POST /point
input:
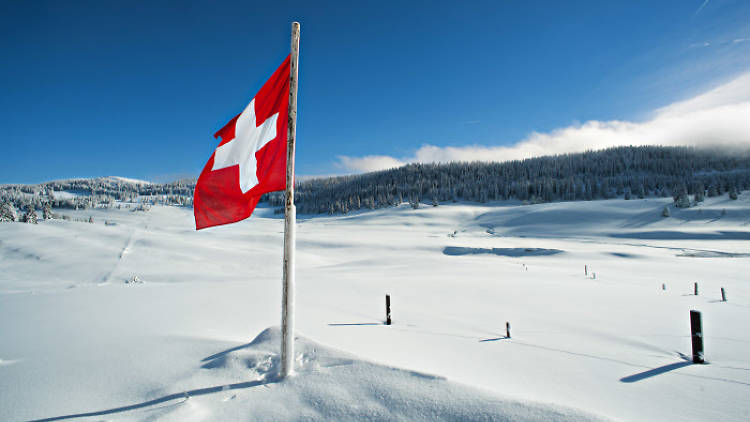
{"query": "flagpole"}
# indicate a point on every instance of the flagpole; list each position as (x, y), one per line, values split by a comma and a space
(290, 217)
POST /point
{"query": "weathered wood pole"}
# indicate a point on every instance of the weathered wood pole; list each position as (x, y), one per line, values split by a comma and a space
(696, 334)
(696, 289)
(507, 329)
(723, 295)
(290, 218)
(586, 270)
(387, 309)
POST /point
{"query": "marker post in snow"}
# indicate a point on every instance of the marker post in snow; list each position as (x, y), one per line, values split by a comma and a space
(290, 218)
(387, 309)
(696, 335)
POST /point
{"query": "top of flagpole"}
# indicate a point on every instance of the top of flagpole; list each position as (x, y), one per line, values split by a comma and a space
(292, 115)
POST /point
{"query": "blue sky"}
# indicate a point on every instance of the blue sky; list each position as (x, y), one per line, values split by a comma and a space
(137, 89)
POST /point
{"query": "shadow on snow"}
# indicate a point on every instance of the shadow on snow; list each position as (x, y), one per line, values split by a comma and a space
(512, 252)
(183, 395)
(655, 371)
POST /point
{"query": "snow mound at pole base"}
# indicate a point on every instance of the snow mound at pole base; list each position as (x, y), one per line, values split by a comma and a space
(333, 385)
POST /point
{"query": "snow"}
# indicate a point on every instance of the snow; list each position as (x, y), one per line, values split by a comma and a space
(65, 194)
(128, 180)
(191, 340)
(111, 179)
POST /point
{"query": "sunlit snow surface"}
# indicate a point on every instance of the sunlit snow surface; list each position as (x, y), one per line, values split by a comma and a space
(191, 339)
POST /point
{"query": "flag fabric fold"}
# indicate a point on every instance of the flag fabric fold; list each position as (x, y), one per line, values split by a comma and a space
(250, 160)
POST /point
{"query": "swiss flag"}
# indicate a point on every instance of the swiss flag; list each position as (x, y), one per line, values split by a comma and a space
(250, 159)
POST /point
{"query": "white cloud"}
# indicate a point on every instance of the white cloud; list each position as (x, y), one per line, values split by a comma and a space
(736, 91)
(368, 163)
(717, 118)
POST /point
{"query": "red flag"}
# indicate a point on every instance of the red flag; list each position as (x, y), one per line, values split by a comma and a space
(250, 159)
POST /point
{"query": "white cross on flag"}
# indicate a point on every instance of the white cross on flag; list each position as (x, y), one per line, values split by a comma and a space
(250, 160)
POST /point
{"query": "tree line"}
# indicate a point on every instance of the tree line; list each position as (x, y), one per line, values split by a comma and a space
(627, 172)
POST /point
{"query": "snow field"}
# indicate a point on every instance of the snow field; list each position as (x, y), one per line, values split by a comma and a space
(77, 339)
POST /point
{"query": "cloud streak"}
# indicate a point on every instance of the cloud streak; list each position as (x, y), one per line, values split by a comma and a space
(719, 117)
(701, 7)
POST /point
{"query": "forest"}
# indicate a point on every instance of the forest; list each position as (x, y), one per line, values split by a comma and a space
(626, 172)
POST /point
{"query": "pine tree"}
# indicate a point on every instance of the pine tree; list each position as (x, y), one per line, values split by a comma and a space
(30, 216)
(698, 189)
(47, 212)
(641, 192)
(8, 212)
(681, 199)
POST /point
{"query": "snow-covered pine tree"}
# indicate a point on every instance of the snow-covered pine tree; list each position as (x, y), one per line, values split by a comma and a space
(8, 212)
(641, 192)
(698, 191)
(680, 196)
(30, 216)
(47, 212)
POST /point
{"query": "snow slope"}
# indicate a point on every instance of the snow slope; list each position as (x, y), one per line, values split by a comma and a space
(111, 179)
(128, 180)
(78, 340)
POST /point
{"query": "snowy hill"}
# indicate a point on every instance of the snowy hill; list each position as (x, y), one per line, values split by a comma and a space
(127, 180)
(190, 340)
(621, 172)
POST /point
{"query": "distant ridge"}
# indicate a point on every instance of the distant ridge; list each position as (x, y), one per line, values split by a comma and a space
(629, 172)
(127, 180)
(626, 172)
(102, 179)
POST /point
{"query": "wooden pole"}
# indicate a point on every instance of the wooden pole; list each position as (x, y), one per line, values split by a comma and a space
(723, 295)
(507, 329)
(586, 270)
(696, 289)
(290, 217)
(387, 309)
(696, 334)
